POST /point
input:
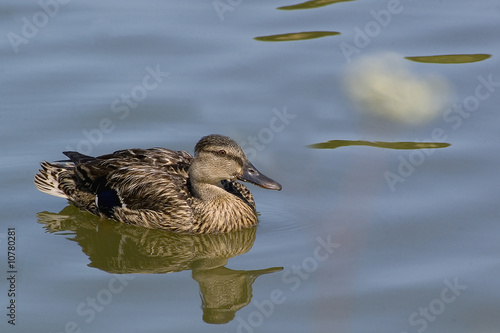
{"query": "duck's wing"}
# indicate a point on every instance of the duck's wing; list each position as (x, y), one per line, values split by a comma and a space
(151, 179)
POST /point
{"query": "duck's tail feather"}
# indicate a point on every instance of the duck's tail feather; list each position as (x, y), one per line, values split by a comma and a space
(52, 178)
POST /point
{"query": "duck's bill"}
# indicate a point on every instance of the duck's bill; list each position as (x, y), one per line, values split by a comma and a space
(252, 175)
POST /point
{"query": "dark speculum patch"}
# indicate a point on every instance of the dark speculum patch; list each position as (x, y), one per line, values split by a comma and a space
(107, 201)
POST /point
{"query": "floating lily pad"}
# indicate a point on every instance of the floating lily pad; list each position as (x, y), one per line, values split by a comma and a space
(451, 58)
(332, 144)
(312, 4)
(297, 36)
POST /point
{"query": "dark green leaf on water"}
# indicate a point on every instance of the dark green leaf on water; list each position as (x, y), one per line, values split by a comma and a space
(332, 144)
(297, 36)
(451, 58)
(312, 4)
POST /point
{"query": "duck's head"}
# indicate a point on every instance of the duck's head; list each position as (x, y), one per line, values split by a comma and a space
(218, 157)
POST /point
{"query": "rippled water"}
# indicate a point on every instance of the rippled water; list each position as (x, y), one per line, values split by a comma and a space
(391, 227)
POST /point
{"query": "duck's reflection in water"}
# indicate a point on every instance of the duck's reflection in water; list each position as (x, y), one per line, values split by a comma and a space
(120, 249)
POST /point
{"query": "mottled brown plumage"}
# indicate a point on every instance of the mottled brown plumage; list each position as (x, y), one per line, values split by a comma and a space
(162, 188)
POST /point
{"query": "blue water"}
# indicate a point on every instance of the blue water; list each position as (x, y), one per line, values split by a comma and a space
(341, 248)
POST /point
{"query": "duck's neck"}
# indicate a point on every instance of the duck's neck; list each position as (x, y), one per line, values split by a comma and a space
(220, 211)
(208, 192)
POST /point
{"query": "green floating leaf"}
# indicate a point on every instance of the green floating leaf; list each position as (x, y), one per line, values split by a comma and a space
(311, 4)
(297, 36)
(332, 144)
(451, 58)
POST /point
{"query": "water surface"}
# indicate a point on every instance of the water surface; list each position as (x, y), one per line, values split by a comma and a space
(360, 239)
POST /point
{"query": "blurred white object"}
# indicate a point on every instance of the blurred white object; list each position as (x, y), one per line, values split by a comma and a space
(384, 85)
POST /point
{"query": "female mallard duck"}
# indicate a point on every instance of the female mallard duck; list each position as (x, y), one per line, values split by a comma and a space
(162, 188)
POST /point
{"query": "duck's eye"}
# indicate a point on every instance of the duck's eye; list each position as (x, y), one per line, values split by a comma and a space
(222, 152)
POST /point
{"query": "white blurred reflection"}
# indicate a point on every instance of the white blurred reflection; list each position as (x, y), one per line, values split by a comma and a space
(384, 85)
